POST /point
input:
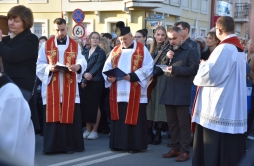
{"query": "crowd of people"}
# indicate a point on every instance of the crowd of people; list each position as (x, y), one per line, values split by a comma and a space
(190, 86)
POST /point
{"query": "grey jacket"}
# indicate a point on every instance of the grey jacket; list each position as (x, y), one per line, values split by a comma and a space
(176, 86)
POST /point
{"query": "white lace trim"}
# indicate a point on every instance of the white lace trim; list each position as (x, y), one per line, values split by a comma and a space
(127, 94)
(220, 121)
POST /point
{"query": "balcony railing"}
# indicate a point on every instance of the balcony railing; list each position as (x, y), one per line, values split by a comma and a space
(242, 10)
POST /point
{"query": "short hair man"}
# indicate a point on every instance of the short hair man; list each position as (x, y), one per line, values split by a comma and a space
(220, 110)
(128, 97)
(60, 66)
(183, 61)
(185, 28)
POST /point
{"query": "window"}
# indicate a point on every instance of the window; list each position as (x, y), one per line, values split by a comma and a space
(8, 1)
(193, 32)
(204, 4)
(37, 1)
(203, 32)
(194, 5)
(185, 4)
(40, 27)
(168, 25)
(175, 2)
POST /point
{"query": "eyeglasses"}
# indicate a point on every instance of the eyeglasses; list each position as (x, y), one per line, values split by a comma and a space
(138, 37)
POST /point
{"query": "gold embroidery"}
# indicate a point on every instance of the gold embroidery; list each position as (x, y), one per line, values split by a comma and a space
(137, 58)
(71, 55)
(53, 80)
(52, 53)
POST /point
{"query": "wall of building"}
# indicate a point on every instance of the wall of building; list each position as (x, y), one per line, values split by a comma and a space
(44, 14)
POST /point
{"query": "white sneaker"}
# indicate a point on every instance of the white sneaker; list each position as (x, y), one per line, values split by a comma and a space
(93, 135)
(250, 137)
(86, 134)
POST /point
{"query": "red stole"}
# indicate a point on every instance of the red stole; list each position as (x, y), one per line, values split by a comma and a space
(55, 110)
(135, 89)
(232, 40)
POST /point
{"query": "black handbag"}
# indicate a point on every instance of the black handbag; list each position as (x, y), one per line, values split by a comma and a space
(26, 93)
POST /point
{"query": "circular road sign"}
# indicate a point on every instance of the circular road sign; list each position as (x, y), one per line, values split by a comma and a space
(78, 15)
(78, 30)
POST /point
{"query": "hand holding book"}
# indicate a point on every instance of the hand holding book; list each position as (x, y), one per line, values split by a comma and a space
(116, 72)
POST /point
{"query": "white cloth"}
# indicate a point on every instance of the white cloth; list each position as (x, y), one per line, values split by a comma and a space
(17, 138)
(42, 69)
(124, 63)
(221, 103)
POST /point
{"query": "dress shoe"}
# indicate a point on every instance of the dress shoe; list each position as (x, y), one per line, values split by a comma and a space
(115, 149)
(171, 153)
(134, 151)
(69, 152)
(183, 157)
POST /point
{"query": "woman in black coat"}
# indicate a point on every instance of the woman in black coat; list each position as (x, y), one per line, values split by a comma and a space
(19, 53)
(92, 86)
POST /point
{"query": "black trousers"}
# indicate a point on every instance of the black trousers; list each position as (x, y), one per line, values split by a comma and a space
(212, 148)
(178, 119)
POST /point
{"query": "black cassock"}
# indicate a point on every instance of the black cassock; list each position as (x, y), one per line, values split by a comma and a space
(63, 138)
(124, 136)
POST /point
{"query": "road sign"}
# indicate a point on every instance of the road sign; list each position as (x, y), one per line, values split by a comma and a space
(78, 15)
(78, 30)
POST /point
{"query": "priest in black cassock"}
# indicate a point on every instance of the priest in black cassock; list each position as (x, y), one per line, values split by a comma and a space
(61, 102)
(128, 95)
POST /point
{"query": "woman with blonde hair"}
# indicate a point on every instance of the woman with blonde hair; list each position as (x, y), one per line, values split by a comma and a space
(156, 112)
(92, 86)
(105, 45)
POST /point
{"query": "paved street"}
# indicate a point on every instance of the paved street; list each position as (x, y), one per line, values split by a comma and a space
(97, 153)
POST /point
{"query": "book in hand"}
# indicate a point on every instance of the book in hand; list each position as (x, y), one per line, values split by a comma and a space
(61, 67)
(116, 72)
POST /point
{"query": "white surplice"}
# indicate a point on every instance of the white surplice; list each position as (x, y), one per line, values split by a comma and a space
(124, 63)
(42, 69)
(222, 101)
(17, 138)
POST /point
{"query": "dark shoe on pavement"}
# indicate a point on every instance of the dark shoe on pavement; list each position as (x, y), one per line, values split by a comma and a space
(172, 153)
(183, 157)
(134, 151)
(69, 152)
(115, 149)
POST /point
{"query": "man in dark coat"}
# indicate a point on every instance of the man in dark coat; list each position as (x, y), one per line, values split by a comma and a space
(183, 61)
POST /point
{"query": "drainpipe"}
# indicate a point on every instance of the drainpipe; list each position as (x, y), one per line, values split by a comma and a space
(212, 13)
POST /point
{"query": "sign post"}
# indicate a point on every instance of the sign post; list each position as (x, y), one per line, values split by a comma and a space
(78, 16)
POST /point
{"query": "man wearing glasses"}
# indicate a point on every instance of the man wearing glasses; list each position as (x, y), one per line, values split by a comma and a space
(220, 110)
(176, 93)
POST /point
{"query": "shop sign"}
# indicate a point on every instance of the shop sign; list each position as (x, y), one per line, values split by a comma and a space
(153, 24)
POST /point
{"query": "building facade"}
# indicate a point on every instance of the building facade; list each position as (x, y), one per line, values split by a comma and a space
(102, 15)
(239, 10)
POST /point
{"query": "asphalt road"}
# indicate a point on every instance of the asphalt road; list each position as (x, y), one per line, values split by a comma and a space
(97, 153)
